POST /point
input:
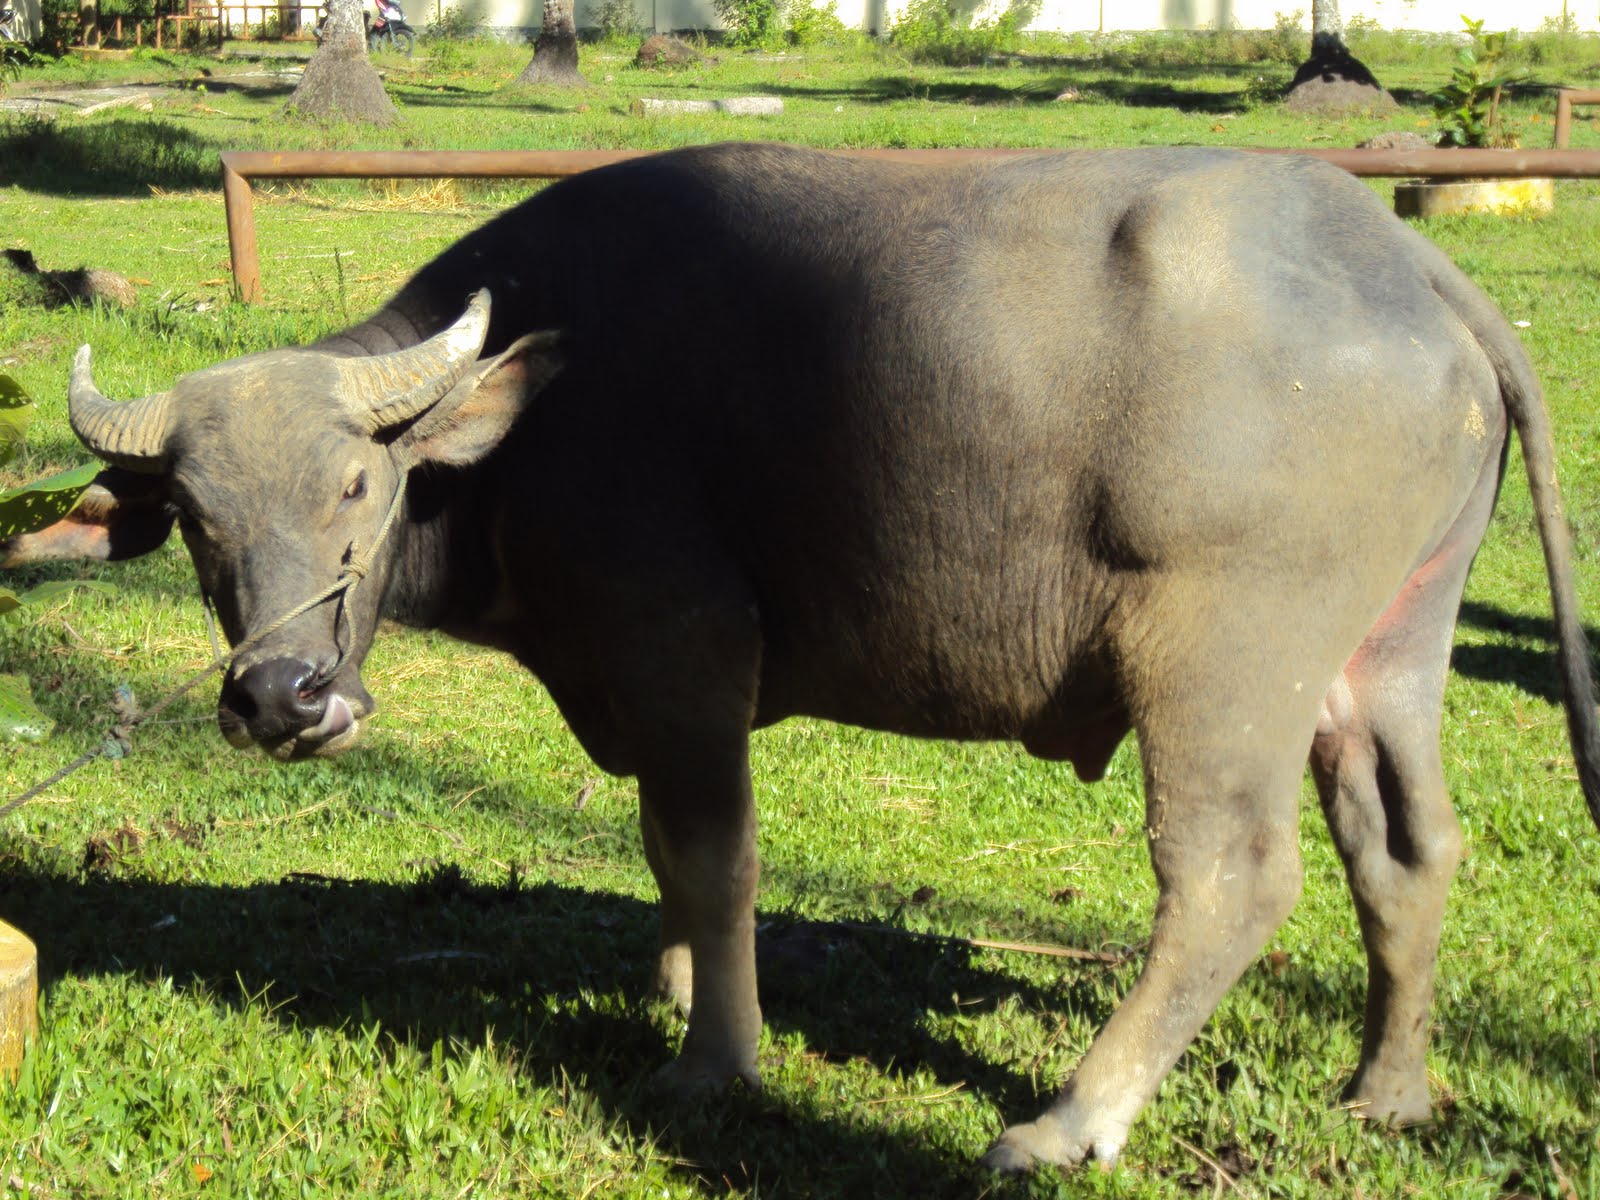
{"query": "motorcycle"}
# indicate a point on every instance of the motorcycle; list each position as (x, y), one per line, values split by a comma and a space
(390, 31)
(10, 27)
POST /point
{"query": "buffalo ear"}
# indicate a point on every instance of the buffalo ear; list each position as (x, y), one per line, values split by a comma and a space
(478, 412)
(122, 514)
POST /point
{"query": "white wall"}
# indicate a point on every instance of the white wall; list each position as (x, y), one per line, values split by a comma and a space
(1424, 15)
(1079, 15)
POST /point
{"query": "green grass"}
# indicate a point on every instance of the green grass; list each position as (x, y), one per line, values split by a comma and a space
(421, 970)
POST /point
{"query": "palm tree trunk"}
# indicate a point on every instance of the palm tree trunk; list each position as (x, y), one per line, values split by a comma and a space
(1333, 79)
(339, 83)
(555, 53)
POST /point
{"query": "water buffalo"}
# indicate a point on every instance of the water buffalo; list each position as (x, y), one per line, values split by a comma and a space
(1192, 443)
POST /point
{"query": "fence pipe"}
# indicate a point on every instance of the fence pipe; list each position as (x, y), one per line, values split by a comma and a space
(239, 210)
(1565, 99)
(241, 166)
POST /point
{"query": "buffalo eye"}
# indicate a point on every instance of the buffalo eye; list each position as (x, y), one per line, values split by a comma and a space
(355, 491)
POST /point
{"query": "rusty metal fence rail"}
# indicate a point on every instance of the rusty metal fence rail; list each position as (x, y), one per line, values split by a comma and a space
(1565, 99)
(240, 167)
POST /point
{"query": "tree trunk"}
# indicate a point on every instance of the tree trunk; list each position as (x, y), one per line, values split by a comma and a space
(339, 83)
(1333, 80)
(555, 53)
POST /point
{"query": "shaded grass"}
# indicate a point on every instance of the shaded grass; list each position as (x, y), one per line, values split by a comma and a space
(422, 969)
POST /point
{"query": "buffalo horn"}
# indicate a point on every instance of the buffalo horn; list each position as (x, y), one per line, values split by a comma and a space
(131, 435)
(392, 388)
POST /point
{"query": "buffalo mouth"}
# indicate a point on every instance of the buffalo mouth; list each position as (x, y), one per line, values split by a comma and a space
(284, 707)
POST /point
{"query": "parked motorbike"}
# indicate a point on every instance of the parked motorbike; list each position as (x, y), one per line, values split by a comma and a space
(390, 31)
(10, 27)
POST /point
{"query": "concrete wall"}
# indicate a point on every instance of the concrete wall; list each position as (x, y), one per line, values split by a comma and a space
(1085, 15)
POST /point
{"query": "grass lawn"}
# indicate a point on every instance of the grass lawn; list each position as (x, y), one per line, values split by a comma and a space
(420, 970)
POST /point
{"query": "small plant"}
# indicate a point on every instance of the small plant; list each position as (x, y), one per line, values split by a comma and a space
(32, 506)
(1265, 87)
(26, 509)
(1468, 107)
(13, 57)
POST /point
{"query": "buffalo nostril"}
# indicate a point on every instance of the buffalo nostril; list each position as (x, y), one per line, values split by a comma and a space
(275, 697)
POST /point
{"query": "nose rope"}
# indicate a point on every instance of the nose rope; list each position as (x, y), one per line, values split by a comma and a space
(358, 566)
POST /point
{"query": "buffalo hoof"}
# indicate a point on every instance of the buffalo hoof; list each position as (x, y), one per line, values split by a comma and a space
(1389, 1099)
(675, 978)
(1021, 1147)
(689, 1076)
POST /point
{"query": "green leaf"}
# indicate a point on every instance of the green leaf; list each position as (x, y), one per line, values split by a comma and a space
(9, 601)
(16, 410)
(20, 718)
(12, 394)
(44, 501)
(57, 588)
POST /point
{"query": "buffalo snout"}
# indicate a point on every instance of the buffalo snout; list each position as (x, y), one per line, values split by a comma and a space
(290, 708)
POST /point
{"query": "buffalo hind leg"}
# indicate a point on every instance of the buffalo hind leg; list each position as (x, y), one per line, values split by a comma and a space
(1380, 776)
(1221, 825)
(698, 816)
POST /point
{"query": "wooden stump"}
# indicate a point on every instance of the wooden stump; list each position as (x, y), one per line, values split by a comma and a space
(19, 996)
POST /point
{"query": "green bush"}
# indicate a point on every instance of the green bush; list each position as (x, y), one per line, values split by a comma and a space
(943, 32)
(1558, 43)
(809, 24)
(750, 22)
(618, 21)
(1287, 41)
(453, 24)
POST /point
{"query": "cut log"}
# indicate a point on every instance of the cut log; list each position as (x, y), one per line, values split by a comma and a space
(738, 106)
(19, 996)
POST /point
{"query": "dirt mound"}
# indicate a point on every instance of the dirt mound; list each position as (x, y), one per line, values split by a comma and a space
(664, 50)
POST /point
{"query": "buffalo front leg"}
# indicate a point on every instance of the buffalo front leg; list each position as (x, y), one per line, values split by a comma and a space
(698, 818)
(1222, 837)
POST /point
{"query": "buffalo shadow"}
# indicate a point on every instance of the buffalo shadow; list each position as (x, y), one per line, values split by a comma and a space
(446, 958)
(1529, 664)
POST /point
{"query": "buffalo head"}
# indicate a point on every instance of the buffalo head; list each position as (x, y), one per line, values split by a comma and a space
(280, 469)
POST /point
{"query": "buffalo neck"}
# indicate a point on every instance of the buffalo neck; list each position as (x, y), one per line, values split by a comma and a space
(442, 575)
